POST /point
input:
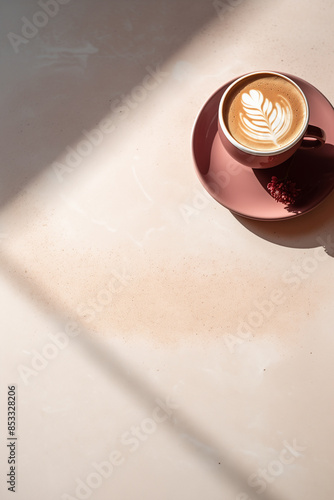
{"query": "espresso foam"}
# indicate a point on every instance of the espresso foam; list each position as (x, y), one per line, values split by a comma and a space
(264, 112)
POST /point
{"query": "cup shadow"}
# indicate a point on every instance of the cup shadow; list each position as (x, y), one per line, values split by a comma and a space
(313, 173)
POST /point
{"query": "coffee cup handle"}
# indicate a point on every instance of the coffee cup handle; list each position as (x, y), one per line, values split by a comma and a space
(313, 138)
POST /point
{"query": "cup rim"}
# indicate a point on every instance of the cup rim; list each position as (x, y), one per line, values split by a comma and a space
(255, 152)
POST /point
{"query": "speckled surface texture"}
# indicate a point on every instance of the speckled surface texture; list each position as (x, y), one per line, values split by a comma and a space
(161, 347)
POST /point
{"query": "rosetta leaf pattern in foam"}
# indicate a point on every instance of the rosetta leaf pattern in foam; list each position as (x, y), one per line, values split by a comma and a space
(262, 120)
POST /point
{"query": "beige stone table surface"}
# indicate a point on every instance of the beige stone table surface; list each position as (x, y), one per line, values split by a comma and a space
(159, 346)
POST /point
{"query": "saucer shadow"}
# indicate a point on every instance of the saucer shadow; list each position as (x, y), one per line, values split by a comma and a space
(313, 173)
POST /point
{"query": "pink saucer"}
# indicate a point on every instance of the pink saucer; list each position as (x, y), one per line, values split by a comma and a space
(242, 189)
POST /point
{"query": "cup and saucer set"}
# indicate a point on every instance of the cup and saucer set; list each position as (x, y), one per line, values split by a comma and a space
(263, 146)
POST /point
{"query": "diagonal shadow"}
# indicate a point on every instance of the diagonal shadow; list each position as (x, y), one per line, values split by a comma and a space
(87, 60)
(193, 437)
(92, 55)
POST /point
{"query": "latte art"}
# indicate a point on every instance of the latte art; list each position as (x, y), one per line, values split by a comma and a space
(265, 112)
(262, 120)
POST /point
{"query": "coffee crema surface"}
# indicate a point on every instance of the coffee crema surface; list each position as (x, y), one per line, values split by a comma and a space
(264, 112)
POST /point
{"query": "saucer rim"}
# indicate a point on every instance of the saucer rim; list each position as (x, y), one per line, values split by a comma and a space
(289, 215)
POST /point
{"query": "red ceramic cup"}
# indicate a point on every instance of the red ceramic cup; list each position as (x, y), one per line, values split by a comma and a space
(309, 136)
